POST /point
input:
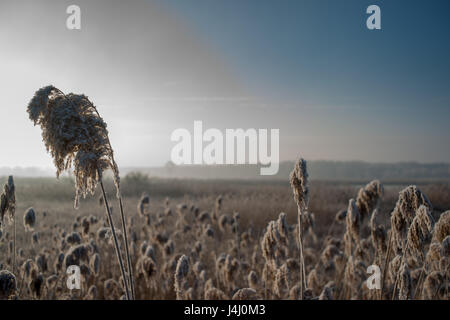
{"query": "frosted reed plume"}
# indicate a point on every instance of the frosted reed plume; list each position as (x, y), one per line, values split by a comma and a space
(369, 197)
(442, 227)
(75, 135)
(8, 201)
(405, 283)
(378, 235)
(414, 210)
(246, 294)
(410, 199)
(8, 284)
(299, 184)
(181, 273)
(353, 221)
(420, 232)
(8, 208)
(433, 287)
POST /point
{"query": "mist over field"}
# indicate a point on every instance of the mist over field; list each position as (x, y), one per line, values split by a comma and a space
(358, 171)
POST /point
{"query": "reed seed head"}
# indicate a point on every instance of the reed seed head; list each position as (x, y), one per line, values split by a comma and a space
(442, 228)
(299, 184)
(74, 134)
(29, 219)
(8, 201)
(369, 197)
(8, 284)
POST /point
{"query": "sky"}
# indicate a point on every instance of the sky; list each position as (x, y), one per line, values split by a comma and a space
(310, 68)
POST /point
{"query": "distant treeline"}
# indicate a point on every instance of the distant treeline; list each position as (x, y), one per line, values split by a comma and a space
(318, 170)
(29, 172)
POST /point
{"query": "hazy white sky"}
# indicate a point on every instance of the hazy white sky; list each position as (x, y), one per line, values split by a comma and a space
(150, 71)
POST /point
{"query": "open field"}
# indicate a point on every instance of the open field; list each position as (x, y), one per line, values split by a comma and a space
(224, 252)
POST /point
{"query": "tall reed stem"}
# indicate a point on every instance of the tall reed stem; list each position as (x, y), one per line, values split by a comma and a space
(116, 243)
(124, 228)
(302, 260)
(14, 245)
(419, 282)
(404, 250)
(386, 260)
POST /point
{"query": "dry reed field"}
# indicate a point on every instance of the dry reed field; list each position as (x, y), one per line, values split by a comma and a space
(145, 238)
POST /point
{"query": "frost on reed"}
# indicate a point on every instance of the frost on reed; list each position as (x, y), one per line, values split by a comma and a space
(412, 217)
(146, 268)
(7, 284)
(442, 227)
(274, 245)
(8, 206)
(75, 134)
(410, 199)
(378, 235)
(369, 197)
(32, 277)
(353, 224)
(181, 273)
(405, 283)
(445, 250)
(8, 201)
(434, 286)
(420, 232)
(246, 294)
(299, 184)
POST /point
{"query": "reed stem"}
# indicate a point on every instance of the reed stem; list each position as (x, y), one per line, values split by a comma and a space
(302, 261)
(386, 260)
(124, 228)
(116, 243)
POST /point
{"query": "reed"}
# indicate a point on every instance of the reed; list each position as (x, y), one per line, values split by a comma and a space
(75, 135)
(299, 184)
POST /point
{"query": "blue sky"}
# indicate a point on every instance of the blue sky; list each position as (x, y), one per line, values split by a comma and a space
(310, 68)
(390, 82)
(320, 52)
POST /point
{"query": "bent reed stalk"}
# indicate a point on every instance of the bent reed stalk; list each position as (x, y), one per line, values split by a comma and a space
(122, 216)
(116, 242)
(75, 134)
